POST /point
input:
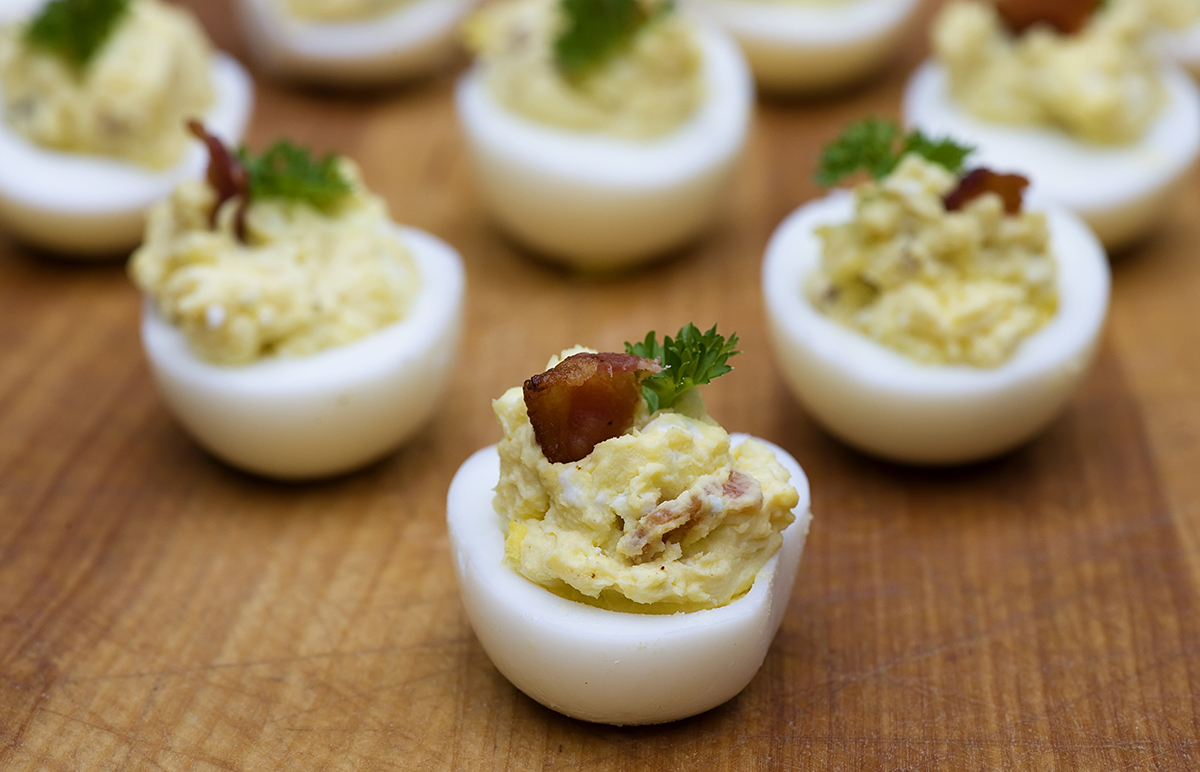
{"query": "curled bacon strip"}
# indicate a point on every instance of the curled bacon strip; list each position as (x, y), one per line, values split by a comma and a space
(226, 175)
(1010, 188)
(584, 400)
(1065, 16)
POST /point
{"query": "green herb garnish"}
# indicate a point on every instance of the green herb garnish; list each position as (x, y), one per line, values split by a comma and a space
(871, 144)
(690, 359)
(596, 30)
(75, 29)
(290, 172)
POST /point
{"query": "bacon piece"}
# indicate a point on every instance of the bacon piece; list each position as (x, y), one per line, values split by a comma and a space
(1010, 188)
(226, 175)
(1065, 16)
(584, 400)
(671, 519)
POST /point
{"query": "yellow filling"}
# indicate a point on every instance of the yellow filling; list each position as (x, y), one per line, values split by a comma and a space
(941, 287)
(130, 102)
(306, 281)
(574, 528)
(645, 92)
(1100, 85)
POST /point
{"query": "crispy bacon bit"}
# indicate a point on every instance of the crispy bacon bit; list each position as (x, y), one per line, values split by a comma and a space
(1010, 188)
(584, 400)
(1065, 16)
(226, 175)
(694, 508)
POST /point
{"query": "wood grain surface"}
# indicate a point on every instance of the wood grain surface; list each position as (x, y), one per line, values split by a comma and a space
(159, 610)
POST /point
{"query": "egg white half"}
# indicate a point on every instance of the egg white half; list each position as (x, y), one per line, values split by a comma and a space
(810, 47)
(884, 403)
(16, 10)
(606, 666)
(90, 206)
(1122, 192)
(598, 202)
(331, 412)
(412, 40)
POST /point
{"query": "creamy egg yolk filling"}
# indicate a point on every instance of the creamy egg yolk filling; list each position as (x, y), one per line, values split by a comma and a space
(1175, 14)
(963, 287)
(130, 102)
(644, 92)
(664, 518)
(1100, 85)
(340, 10)
(305, 279)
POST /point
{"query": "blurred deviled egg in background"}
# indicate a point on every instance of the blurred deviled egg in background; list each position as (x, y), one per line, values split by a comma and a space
(1072, 95)
(603, 134)
(95, 95)
(294, 329)
(931, 316)
(805, 46)
(621, 557)
(352, 42)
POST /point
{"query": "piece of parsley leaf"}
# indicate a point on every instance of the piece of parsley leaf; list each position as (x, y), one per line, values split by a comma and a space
(595, 30)
(689, 359)
(290, 172)
(871, 144)
(75, 29)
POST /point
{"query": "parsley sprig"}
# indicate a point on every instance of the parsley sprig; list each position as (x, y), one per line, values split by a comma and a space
(595, 30)
(75, 29)
(871, 144)
(690, 359)
(290, 172)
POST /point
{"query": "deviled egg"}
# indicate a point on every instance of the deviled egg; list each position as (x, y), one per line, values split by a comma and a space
(602, 154)
(621, 558)
(930, 336)
(294, 329)
(91, 138)
(352, 42)
(1100, 124)
(802, 46)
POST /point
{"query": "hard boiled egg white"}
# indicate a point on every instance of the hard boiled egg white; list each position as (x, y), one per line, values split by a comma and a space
(884, 403)
(414, 39)
(1122, 192)
(597, 202)
(327, 413)
(812, 46)
(607, 666)
(91, 206)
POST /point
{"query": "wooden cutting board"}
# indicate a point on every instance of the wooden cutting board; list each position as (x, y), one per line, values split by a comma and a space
(161, 611)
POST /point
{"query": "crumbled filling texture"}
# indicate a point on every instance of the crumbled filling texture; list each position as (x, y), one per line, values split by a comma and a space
(130, 102)
(304, 281)
(1100, 85)
(666, 517)
(1175, 14)
(341, 10)
(946, 288)
(646, 91)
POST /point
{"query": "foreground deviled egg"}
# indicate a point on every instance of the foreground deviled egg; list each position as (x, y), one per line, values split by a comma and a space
(622, 559)
(603, 134)
(926, 317)
(294, 329)
(95, 95)
(804, 46)
(1070, 95)
(352, 42)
